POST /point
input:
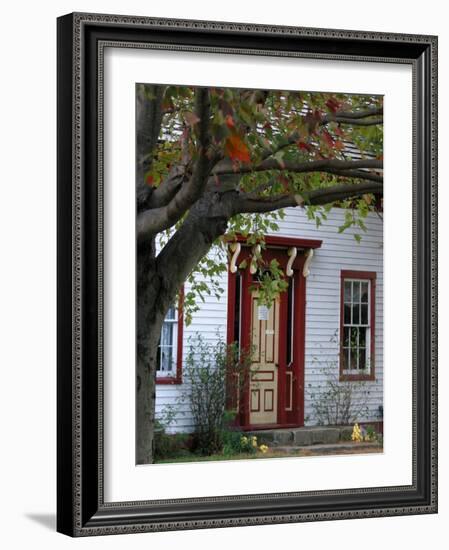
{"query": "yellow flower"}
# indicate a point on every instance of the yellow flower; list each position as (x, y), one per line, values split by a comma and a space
(357, 433)
(243, 440)
(263, 448)
(254, 441)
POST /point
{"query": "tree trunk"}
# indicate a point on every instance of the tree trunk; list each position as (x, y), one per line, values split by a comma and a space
(158, 282)
(149, 323)
(146, 401)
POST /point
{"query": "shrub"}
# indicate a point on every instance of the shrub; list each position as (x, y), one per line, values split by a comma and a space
(170, 445)
(338, 403)
(236, 442)
(207, 369)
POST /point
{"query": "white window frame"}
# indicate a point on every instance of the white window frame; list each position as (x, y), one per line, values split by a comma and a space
(368, 354)
(174, 346)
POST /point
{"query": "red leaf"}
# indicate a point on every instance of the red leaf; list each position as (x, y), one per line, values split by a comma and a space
(339, 131)
(317, 115)
(230, 121)
(236, 149)
(304, 146)
(332, 104)
(328, 138)
(150, 180)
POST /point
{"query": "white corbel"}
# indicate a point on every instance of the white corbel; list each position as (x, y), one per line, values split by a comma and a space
(253, 265)
(235, 248)
(292, 252)
(306, 269)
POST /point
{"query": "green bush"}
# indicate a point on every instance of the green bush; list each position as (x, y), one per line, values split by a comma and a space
(170, 445)
(207, 369)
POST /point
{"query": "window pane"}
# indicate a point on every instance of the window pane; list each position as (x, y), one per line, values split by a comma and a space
(354, 338)
(166, 352)
(362, 359)
(362, 337)
(166, 359)
(356, 292)
(364, 320)
(365, 293)
(347, 314)
(347, 291)
(167, 334)
(170, 313)
(346, 337)
(355, 314)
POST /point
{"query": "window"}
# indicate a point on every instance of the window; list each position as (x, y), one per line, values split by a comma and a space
(169, 357)
(357, 325)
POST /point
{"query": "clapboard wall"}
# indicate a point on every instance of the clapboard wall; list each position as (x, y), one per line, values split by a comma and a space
(338, 251)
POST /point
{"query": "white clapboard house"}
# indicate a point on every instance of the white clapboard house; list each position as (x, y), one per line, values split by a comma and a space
(335, 296)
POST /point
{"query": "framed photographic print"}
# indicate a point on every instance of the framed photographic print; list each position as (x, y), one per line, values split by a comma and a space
(246, 274)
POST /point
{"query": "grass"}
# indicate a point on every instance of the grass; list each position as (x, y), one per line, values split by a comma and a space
(272, 453)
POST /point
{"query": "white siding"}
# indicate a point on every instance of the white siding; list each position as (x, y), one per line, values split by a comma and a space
(338, 251)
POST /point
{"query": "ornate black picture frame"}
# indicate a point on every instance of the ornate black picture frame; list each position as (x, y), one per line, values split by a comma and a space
(81, 510)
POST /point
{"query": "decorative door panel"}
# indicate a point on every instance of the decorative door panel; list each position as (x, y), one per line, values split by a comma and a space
(263, 391)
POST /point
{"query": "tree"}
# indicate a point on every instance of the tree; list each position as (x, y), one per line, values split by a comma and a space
(212, 162)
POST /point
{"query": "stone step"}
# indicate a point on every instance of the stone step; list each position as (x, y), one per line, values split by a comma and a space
(336, 448)
(316, 435)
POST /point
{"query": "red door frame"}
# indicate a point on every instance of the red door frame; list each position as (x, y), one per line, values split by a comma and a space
(276, 247)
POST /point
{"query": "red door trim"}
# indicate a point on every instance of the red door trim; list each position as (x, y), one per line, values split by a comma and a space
(295, 417)
(284, 242)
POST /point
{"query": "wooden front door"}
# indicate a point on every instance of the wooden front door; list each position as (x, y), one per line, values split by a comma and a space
(273, 393)
(265, 325)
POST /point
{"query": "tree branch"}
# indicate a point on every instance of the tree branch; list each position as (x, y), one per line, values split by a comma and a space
(326, 165)
(352, 122)
(148, 121)
(352, 115)
(168, 188)
(154, 220)
(359, 174)
(246, 203)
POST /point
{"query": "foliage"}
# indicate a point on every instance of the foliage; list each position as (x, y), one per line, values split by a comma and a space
(212, 163)
(264, 144)
(236, 442)
(336, 402)
(170, 445)
(367, 434)
(207, 368)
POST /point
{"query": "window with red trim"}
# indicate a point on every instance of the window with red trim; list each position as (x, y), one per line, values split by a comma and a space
(169, 355)
(357, 325)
